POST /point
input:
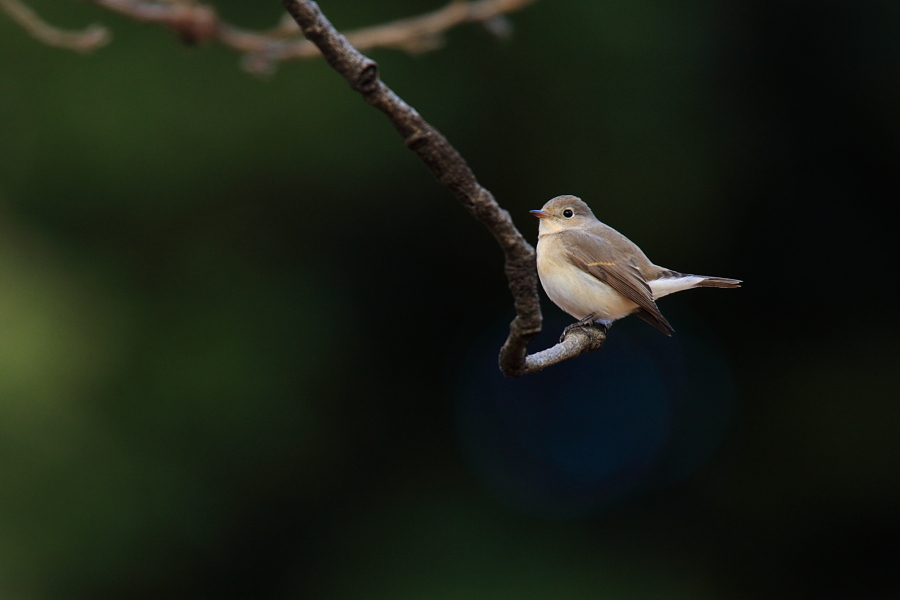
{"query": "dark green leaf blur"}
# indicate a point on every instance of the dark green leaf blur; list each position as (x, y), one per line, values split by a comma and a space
(248, 345)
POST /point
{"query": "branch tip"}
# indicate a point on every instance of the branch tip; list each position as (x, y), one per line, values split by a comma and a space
(91, 38)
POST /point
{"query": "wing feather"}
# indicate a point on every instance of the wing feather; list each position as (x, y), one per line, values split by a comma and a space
(597, 257)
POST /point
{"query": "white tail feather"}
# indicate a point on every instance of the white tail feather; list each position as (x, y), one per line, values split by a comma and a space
(670, 285)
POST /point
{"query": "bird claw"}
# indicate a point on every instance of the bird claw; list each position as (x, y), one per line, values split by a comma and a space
(588, 321)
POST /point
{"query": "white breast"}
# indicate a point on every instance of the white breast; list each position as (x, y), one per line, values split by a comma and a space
(575, 291)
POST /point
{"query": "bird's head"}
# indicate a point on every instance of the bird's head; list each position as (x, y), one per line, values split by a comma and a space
(564, 212)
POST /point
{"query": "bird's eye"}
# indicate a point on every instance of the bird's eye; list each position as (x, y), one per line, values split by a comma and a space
(568, 213)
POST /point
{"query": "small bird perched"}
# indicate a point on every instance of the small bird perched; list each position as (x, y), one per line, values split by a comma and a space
(597, 275)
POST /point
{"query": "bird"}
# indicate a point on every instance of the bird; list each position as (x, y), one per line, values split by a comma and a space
(597, 275)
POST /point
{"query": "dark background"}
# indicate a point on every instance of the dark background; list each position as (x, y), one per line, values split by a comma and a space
(248, 345)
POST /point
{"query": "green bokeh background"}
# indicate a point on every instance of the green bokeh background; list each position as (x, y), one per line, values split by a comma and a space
(235, 312)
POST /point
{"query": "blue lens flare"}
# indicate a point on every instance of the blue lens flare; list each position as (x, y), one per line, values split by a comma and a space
(564, 442)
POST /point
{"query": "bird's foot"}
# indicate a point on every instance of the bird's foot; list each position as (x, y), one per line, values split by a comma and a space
(588, 321)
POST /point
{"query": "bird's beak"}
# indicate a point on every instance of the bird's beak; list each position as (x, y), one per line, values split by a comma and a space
(539, 214)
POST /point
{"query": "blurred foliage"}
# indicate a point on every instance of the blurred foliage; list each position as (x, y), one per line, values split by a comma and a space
(248, 345)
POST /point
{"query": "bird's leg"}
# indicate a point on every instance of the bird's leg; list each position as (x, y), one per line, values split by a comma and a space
(588, 321)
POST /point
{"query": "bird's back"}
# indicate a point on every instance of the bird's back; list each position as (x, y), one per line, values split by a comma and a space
(628, 248)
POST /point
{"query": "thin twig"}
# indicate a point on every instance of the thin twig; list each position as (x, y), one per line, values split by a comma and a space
(91, 38)
(417, 34)
(449, 167)
(192, 21)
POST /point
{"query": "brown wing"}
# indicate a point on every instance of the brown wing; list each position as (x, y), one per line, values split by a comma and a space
(597, 257)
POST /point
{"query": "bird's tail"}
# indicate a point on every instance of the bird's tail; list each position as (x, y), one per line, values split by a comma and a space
(692, 281)
(669, 282)
(722, 282)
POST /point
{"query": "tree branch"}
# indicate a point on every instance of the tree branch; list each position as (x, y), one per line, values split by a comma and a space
(574, 342)
(449, 167)
(195, 22)
(92, 37)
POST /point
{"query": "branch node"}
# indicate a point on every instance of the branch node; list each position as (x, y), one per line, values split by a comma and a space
(417, 140)
(367, 81)
(193, 23)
